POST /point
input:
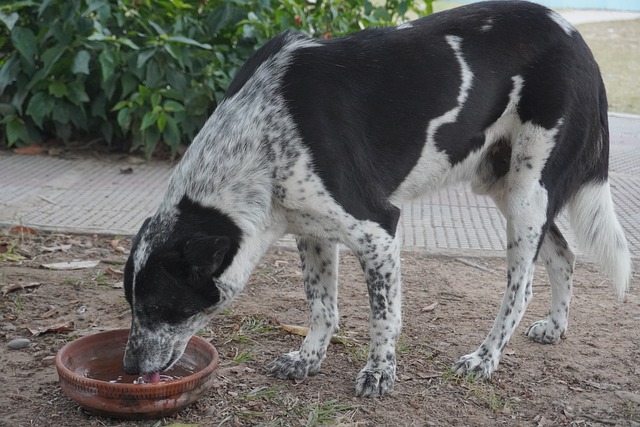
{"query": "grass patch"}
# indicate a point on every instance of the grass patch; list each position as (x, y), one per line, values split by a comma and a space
(323, 412)
(616, 47)
(242, 358)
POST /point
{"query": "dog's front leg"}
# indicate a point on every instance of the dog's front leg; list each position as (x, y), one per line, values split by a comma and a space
(320, 272)
(379, 255)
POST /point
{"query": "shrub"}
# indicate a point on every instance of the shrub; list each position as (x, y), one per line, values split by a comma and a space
(138, 73)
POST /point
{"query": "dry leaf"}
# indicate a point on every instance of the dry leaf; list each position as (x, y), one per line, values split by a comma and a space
(295, 330)
(303, 331)
(62, 248)
(114, 272)
(32, 149)
(60, 327)
(19, 229)
(71, 265)
(12, 287)
(430, 307)
(115, 243)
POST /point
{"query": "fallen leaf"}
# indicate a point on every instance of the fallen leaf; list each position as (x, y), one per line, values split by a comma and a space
(114, 272)
(71, 265)
(12, 287)
(430, 307)
(115, 243)
(295, 330)
(60, 327)
(50, 313)
(303, 331)
(19, 229)
(118, 285)
(32, 149)
(61, 248)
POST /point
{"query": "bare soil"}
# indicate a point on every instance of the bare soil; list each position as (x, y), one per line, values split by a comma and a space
(590, 378)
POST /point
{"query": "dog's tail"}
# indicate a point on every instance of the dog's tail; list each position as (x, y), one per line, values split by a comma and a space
(599, 233)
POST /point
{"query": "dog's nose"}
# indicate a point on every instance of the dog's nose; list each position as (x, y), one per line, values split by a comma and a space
(130, 364)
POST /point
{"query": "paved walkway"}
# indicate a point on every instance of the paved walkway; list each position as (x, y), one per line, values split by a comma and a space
(95, 196)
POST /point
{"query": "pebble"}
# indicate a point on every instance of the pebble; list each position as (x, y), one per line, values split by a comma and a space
(19, 343)
(48, 360)
(9, 327)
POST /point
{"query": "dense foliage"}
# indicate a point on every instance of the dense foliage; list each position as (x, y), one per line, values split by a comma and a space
(137, 73)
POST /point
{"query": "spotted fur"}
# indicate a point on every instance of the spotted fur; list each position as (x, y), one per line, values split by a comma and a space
(325, 138)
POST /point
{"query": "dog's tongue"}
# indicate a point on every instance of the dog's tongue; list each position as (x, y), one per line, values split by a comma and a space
(151, 378)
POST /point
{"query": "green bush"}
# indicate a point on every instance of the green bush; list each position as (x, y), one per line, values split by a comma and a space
(138, 73)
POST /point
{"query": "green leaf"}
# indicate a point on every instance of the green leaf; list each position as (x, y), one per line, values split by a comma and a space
(51, 56)
(158, 28)
(149, 119)
(99, 107)
(16, 130)
(6, 110)
(21, 94)
(42, 7)
(154, 74)
(25, 42)
(176, 79)
(162, 120)
(9, 72)
(144, 56)
(78, 116)
(171, 135)
(108, 60)
(128, 42)
(124, 118)
(40, 105)
(77, 94)
(58, 89)
(129, 83)
(188, 41)
(81, 62)
(62, 113)
(172, 106)
(155, 99)
(9, 20)
(120, 105)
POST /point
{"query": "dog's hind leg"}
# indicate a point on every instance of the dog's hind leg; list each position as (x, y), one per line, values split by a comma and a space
(525, 207)
(558, 259)
(320, 272)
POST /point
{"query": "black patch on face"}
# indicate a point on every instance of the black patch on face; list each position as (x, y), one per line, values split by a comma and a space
(177, 280)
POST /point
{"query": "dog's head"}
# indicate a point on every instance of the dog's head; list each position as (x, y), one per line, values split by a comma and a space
(171, 283)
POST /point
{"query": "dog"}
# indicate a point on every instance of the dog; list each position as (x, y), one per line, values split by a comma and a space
(324, 139)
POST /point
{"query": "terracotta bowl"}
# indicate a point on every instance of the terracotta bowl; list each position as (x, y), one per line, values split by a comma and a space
(91, 373)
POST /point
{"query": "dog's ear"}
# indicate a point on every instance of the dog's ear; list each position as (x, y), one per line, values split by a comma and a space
(206, 251)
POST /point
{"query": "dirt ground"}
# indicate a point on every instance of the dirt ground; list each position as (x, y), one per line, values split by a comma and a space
(591, 378)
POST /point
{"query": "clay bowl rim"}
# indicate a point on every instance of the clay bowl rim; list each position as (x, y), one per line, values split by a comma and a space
(171, 387)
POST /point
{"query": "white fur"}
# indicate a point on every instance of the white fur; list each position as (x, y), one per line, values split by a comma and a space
(599, 233)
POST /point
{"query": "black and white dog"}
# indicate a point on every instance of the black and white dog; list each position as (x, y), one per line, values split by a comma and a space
(325, 138)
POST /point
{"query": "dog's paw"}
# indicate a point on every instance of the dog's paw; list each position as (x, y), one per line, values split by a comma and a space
(546, 331)
(475, 366)
(375, 382)
(291, 366)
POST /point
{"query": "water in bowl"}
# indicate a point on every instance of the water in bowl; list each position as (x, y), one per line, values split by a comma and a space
(112, 374)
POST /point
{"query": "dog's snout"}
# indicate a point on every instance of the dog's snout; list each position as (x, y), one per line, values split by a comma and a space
(130, 362)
